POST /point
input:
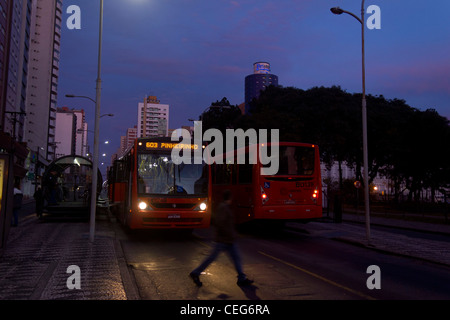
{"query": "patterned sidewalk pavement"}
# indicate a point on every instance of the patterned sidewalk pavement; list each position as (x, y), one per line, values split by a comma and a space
(35, 263)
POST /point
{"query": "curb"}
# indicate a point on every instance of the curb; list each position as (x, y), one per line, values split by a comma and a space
(390, 252)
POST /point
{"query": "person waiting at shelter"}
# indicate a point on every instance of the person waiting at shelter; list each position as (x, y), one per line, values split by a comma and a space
(17, 204)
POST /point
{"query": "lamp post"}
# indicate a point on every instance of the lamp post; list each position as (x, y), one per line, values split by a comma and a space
(337, 10)
(96, 128)
(93, 204)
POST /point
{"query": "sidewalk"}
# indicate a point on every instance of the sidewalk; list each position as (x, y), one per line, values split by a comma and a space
(352, 230)
(37, 259)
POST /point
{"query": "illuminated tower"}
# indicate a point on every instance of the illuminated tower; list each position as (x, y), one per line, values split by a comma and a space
(258, 81)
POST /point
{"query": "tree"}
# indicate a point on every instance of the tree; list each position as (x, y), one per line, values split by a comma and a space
(220, 115)
(409, 146)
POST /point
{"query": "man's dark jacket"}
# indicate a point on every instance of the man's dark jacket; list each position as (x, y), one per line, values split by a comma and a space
(224, 223)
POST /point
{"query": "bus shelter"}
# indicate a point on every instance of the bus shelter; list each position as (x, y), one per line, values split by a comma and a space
(66, 185)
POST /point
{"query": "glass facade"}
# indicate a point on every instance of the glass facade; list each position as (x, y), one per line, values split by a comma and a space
(254, 84)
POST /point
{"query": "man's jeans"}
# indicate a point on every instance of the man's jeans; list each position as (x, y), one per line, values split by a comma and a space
(232, 250)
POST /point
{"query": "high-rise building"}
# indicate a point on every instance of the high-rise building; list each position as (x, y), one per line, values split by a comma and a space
(258, 81)
(125, 143)
(14, 50)
(14, 56)
(65, 132)
(153, 118)
(130, 137)
(70, 132)
(43, 71)
(81, 143)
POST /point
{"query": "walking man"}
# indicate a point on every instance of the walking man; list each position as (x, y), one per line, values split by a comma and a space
(225, 241)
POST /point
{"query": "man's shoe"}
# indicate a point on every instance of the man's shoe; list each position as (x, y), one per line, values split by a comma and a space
(244, 282)
(196, 279)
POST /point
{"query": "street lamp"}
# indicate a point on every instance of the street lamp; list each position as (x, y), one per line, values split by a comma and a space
(93, 203)
(96, 127)
(337, 10)
(76, 96)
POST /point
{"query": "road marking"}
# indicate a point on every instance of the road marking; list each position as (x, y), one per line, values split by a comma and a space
(319, 277)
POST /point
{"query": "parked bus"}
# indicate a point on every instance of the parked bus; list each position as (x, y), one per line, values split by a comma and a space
(293, 193)
(148, 190)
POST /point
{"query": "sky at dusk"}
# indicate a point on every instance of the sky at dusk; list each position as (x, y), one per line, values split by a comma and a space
(190, 53)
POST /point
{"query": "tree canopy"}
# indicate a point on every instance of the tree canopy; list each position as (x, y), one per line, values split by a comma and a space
(407, 145)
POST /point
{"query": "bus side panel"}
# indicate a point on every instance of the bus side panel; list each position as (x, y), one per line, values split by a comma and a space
(119, 192)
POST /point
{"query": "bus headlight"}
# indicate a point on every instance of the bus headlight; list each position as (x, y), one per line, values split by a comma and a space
(201, 207)
(142, 205)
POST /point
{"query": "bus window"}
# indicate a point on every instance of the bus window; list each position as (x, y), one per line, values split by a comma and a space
(296, 160)
(157, 174)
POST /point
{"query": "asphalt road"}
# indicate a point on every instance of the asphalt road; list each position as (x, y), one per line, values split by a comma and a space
(285, 265)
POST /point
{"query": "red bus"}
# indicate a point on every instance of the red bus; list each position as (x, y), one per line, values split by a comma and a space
(148, 190)
(293, 193)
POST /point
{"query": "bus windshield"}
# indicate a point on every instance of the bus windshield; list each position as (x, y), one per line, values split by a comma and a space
(296, 160)
(157, 174)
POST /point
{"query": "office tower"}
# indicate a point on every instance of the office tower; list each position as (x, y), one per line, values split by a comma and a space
(153, 118)
(258, 81)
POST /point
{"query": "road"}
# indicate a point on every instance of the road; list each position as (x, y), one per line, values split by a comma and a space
(286, 265)
(302, 263)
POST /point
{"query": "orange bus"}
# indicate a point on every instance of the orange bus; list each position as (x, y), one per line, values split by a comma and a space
(293, 193)
(148, 190)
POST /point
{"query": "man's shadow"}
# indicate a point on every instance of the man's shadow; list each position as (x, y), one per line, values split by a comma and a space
(250, 292)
